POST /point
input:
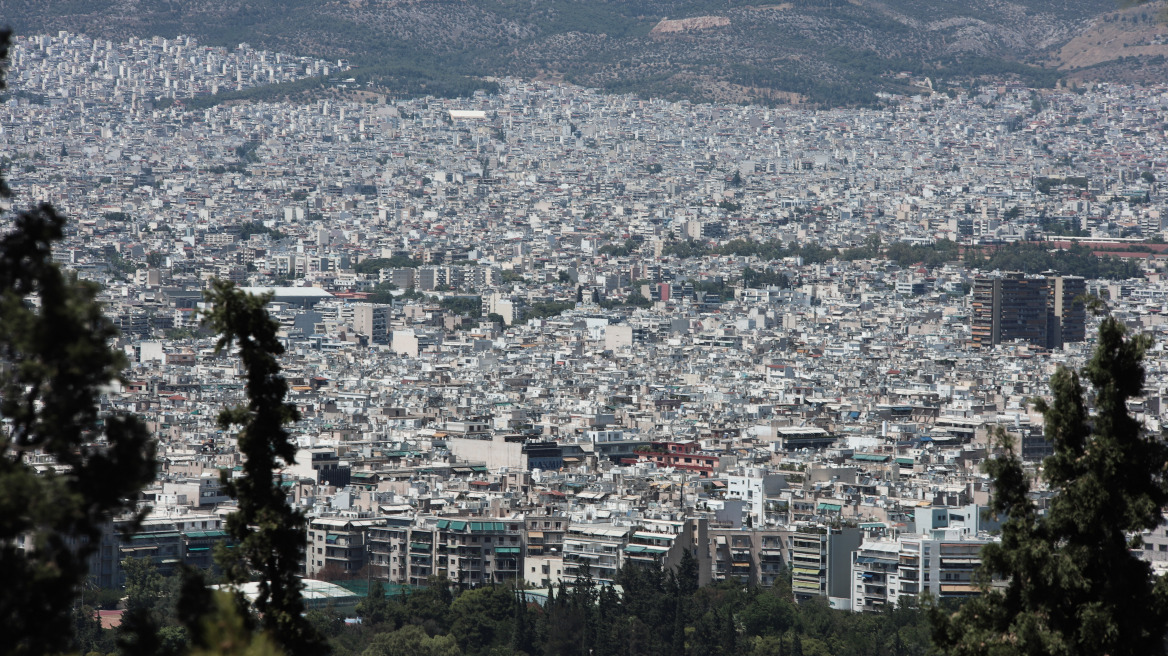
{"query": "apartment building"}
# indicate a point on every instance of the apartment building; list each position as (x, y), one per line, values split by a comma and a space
(1047, 312)
(599, 545)
(819, 563)
(1010, 307)
(753, 557)
(337, 546)
(372, 321)
(886, 571)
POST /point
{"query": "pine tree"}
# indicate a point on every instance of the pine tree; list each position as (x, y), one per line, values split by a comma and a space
(269, 534)
(1070, 582)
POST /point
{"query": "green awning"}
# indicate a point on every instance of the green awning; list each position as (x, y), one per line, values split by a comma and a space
(206, 534)
(198, 548)
(832, 507)
(458, 526)
(487, 526)
(154, 536)
(443, 523)
(507, 550)
(805, 571)
(870, 457)
(905, 461)
(420, 546)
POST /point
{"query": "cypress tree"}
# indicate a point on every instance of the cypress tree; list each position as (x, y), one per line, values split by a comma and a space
(269, 534)
(1069, 582)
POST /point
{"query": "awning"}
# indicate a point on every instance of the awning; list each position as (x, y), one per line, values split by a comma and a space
(962, 588)
(654, 536)
(960, 561)
(535, 534)
(487, 526)
(832, 507)
(645, 548)
(507, 550)
(154, 536)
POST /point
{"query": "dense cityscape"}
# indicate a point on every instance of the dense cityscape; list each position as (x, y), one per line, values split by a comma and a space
(539, 335)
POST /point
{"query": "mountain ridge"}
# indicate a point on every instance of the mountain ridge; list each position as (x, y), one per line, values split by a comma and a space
(818, 52)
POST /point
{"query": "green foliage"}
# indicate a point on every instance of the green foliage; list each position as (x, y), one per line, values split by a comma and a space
(546, 309)
(1059, 228)
(268, 533)
(412, 640)
(247, 152)
(659, 613)
(613, 250)
(118, 263)
(246, 230)
(471, 306)
(1071, 584)
(928, 255)
(1045, 185)
(225, 631)
(56, 360)
(765, 278)
(383, 293)
(1078, 260)
(685, 249)
(148, 624)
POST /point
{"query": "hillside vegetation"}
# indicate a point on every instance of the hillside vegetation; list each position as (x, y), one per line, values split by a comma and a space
(822, 52)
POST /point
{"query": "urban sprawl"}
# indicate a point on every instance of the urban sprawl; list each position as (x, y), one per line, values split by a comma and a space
(550, 327)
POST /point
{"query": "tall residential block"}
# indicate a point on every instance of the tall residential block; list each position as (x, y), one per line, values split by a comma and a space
(1044, 311)
(1068, 310)
(372, 321)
